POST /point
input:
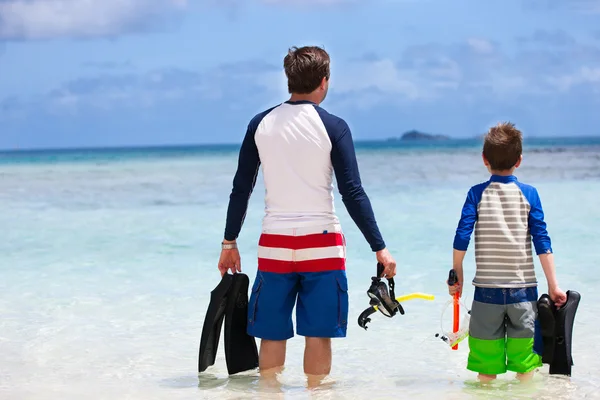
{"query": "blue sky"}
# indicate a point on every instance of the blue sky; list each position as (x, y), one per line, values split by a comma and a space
(149, 72)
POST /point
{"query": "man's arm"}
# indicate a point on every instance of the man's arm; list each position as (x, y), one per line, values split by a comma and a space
(345, 166)
(243, 185)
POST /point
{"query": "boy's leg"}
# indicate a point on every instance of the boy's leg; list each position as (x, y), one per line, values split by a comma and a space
(487, 353)
(521, 332)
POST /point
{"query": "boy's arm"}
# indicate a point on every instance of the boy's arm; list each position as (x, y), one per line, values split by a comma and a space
(463, 234)
(537, 225)
(547, 261)
(457, 264)
(543, 247)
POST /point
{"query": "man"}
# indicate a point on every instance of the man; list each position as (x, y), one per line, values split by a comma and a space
(301, 251)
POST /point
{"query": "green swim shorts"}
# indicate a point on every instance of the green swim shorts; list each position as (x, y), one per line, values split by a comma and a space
(504, 333)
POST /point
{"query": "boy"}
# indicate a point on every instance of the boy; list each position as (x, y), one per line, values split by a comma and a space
(505, 215)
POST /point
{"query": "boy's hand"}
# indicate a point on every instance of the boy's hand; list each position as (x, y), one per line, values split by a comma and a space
(454, 289)
(558, 296)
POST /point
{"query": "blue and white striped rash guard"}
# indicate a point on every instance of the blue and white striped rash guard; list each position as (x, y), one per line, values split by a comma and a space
(506, 216)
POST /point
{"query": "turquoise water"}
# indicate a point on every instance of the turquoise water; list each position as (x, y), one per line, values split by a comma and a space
(108, 257)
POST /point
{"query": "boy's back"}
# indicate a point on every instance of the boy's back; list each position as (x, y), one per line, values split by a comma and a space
(508, 214)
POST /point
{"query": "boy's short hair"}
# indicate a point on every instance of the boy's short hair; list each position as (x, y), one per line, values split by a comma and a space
(503, 146)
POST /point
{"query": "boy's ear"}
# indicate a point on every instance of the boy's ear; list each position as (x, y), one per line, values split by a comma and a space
(519, 162)
(485, 161)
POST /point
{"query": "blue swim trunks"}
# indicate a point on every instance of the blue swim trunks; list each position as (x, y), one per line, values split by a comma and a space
(303, 268)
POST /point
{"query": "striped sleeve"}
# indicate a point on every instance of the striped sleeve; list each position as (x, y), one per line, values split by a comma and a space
(466, 223)
(468, 217)
(537, 225)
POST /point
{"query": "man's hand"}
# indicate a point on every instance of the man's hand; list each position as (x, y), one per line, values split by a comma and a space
(558, 296)
(384, 257)
(229, 260)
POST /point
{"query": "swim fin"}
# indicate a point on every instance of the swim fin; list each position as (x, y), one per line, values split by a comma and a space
(211, 331)
(229, 302)
(556, 326)
(241, 352)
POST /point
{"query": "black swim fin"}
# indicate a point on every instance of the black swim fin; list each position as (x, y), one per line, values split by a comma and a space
(211, 331)
(547, 322)
(241, 352)
(557, 332)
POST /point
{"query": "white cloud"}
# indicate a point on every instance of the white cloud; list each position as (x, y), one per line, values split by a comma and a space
(481, 46)
(472, 72)
(382, 75)
(43, 19)
(586, 6)
(583, 76)
(475, 69)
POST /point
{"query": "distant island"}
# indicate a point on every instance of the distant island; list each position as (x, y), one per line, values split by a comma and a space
(416, 135)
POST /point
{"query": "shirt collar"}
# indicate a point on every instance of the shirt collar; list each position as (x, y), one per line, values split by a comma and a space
(300, 102)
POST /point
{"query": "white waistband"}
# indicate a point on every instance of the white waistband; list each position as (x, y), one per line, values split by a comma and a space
(304, 230)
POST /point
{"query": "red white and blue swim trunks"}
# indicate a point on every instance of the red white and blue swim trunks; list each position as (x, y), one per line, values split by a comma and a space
(305, 267)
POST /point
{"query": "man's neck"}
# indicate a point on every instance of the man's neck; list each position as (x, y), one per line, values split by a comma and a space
(312, 97)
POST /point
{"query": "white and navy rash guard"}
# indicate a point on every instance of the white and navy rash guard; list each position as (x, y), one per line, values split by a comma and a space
(300, 146)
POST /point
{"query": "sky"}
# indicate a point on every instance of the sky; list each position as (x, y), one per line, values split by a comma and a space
(87, 73)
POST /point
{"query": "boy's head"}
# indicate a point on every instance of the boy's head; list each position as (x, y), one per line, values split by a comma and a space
(503, 148)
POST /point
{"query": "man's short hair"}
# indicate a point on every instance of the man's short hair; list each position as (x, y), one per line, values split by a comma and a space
(503, 146)
(305, 68)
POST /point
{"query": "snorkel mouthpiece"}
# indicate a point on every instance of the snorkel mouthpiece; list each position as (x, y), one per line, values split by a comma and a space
(363, 318)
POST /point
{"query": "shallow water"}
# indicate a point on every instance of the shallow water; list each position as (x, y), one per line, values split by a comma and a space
(106, 268)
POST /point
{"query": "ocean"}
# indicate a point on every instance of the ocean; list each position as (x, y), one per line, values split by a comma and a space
(108, 257)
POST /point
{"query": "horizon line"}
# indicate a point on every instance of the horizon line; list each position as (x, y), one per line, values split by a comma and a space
(390, 139)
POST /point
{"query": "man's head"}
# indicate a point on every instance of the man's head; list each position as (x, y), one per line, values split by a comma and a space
(503, 148)
(307, 71)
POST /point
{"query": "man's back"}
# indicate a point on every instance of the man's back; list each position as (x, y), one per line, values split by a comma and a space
(294, 148)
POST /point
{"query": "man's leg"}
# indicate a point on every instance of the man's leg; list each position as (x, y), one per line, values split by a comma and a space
(317, 356)
(272, 355)
(271, 361)
(270, 316)
(321, 314)
(317, 360)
